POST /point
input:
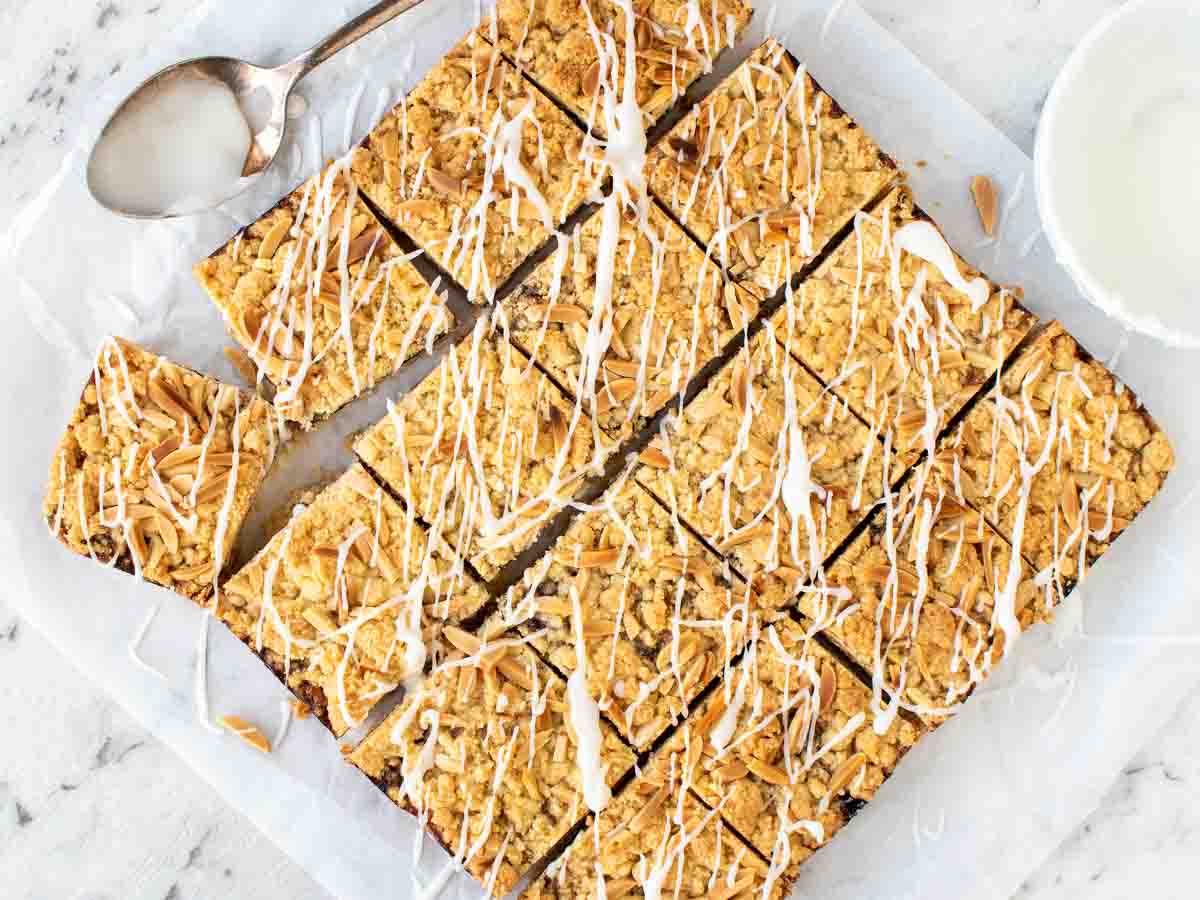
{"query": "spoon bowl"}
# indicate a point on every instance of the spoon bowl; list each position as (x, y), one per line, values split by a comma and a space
(261, 96)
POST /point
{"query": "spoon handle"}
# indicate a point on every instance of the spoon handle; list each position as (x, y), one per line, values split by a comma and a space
(356, 28)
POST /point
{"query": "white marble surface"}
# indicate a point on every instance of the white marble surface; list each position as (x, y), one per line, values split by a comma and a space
(92, 808)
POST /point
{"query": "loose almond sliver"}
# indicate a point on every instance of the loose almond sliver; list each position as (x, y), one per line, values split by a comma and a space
(984, 193)
(247, 732)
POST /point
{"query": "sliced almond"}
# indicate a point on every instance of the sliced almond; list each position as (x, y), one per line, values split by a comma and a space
(595, 559)
(846, 773)
(274, 237)
(563, 313)
(247, 732)
(654, 458)
(984, 193)
(591, 79)
(444, 183)
(828, 687)
(767, 772)
(731, 771)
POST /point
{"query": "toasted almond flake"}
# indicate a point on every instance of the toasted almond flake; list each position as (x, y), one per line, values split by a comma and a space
(462, 640)
(274, 237)
(767, 772)
(984, 192)
(247, 732)
(594, 559)
(444, 183)
(655, 458)
(590, 82)
(511, 668)
(200, 572)
(828, 688)
(846, 773)
(731, 771)
(563, 313)
(747, 536)
(165, 448)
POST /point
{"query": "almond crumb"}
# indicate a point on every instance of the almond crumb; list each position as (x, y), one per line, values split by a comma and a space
(984, 193)
(300, 710)
(247, 732)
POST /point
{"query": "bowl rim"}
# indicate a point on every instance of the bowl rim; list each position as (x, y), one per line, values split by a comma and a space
(1066, 255)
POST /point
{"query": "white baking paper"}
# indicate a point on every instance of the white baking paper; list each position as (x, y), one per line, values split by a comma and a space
(970, 812)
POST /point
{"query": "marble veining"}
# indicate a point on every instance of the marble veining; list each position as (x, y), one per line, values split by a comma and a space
(92, 808)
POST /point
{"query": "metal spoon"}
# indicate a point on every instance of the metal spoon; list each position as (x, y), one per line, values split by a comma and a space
(246, 80)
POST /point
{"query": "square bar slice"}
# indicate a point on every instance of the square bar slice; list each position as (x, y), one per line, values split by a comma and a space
(476, 165)
(486, 449)
(559, 44)
(348, 599)
(321, 300)
(157, 469)
(1060, 457)
(927, 599)
(484, 753)
(660, 617)
(785, 747)
(669, 312)
(768, 467)
(900, 326)
(767, 169)
(657, 840)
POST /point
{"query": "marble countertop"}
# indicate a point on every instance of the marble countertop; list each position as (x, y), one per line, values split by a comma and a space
(92, 808)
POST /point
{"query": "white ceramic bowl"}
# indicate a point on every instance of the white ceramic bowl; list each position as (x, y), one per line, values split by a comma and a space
(1117, 166)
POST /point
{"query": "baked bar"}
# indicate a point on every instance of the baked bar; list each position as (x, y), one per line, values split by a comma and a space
(476, 165)
(767, 169)
(1059, 456)
(657, 618)
(576, 49)
(658, 840)
(667, 314)
(899, 326)
(157, 469)
(485, 754)
(922, 600)
(486, 449)
(348, 600)
(768, 467)
(321, 299)
(785, 747)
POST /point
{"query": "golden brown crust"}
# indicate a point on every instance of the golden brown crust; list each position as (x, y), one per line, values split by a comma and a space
(660, 617)
(127, 486)
(861, 326)
(555, 42)
(1108, 460)
(661, 835)
(334, 328)
(763, 202)
(348, 599)
(426, 164)
(478, 717)
(486, 449)
(670, 312)
(723, 463)
(798, 742)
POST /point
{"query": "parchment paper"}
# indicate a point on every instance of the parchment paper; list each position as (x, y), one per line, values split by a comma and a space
(971, 811)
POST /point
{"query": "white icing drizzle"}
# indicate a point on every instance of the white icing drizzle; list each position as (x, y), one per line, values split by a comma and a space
(584, 716)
